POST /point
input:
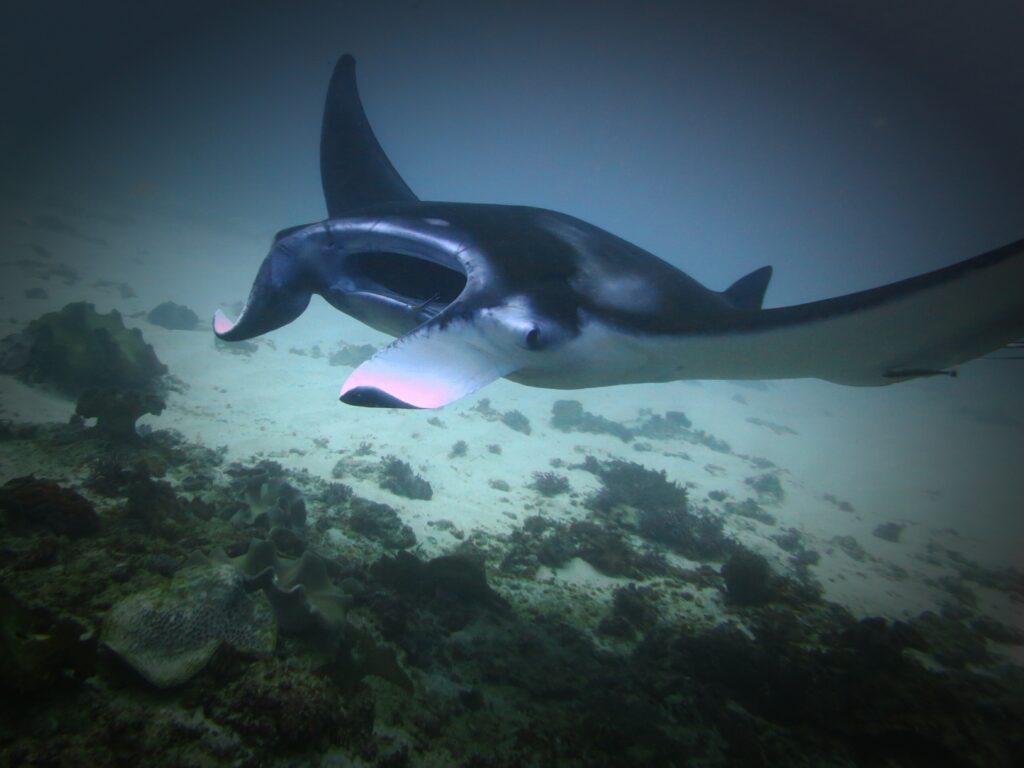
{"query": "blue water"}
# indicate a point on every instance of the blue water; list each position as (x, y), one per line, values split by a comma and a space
(152, 157)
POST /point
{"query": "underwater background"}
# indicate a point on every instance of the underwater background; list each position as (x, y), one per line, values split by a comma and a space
(208, 560)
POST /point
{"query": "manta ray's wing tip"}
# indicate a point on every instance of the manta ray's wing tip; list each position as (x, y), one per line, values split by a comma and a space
(221, 324)
(372, 397)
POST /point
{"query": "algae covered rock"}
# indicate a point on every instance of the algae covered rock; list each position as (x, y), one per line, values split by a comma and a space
(14, 351)
(748, 579)
(174, 317)
(29, 503)
(169, 633)
(281, 704)
(77, 349)
(116, 412)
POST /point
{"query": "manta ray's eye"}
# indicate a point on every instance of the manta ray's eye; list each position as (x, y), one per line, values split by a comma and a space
(533, 338)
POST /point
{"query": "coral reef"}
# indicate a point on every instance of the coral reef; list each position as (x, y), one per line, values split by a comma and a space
(698, 537)
(29, 504)
(37, 648)
(789, 698)
(467, 658)
(778, 429)
(550, 484)
(452, 587)
(673, 424)
(77, 349)
(851, 547)
(14, 352)
(116, 412)
(174, 317)
(381, 523)
(634, 609)
(750, 509)
(645, 501)
(751, 581)
(748, 579)
(844, 506)
(351, 355)
(627, 484)
(543, 542)
(767, 487)
(888, 531)
(169, 633)
(709, 441)
(455, 577)
(997, 631)
(398, 477)
(281, 705)
(569, 416)
(516, 421)
(268, 503)
(153, 507)
(300, 592)
(791, 541)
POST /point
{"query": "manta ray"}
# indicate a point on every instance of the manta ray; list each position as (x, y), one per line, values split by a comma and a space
(475, 292)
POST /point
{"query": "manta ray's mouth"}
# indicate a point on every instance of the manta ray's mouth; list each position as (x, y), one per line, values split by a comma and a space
(412, 280)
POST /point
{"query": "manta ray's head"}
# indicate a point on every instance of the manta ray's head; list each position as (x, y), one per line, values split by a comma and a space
(389, 279)
(460, 321)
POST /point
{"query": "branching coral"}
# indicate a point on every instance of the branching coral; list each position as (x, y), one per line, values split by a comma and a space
(549, 483)
(660, 509)
(397, 476)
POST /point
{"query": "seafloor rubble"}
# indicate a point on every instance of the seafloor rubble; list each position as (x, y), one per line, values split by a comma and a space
(160, 604)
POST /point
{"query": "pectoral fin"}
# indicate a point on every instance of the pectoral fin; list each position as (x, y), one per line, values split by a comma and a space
(432, 366)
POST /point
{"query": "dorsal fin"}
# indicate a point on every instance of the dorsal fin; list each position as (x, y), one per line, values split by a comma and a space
(748, 291)
(354, 170)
